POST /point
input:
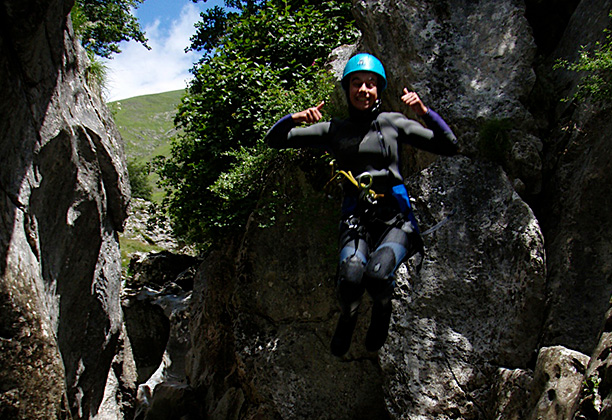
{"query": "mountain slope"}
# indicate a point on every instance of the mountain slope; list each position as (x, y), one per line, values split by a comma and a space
(146, 123)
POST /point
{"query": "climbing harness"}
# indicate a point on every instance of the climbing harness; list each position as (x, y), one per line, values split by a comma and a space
(363, 182)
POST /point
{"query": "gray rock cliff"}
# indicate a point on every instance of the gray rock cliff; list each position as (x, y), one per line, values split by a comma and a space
(63, 198)
(508, 307)
(508, 318)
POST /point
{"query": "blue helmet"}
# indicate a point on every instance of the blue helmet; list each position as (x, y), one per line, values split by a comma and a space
(365, 62)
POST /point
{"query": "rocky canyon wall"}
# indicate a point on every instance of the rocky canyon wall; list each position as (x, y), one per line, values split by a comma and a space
(509, 304)
(63, 198)
(506, 319)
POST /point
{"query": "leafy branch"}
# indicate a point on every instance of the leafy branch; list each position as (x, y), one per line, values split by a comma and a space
(596, 69)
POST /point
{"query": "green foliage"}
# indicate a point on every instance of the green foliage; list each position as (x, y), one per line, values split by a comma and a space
(210, 29)
(146, 124)
(596, 66)
(265, 62)
(590, 385)
(139, 179)
(215, 21)
(246, 172)
(95, 73)
(591, 394)
(102, 24)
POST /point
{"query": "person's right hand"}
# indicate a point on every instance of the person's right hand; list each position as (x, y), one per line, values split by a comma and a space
(310, 115)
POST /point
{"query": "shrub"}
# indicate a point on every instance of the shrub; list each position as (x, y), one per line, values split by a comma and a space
(596, 69)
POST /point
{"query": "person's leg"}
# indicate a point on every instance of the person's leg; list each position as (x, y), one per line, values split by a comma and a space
(398, 244)
(350, 288)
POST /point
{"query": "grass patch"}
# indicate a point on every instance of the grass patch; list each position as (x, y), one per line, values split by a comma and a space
(130, 246)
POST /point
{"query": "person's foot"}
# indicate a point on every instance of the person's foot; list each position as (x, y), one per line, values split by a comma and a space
(341, 341)
(379, 326)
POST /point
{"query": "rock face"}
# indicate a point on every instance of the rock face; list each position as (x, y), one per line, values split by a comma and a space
(576, 201)
(473, 61)
(506, 318)
(488, 262)
(64, 195)
(262, 350)
(502, 318)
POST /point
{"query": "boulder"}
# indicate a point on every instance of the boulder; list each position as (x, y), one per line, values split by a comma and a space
(477, 301)
(159, 268)
(259, 305)
(558, 378)
(148, 329)
(156, 303)
(264, 310)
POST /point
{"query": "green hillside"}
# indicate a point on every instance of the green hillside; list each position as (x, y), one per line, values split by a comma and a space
(146, 124)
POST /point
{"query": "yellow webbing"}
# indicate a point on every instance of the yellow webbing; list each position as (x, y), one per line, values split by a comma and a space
(357, 182)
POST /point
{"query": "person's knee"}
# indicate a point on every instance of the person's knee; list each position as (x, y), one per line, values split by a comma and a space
(350, 276)
(381, 292)
(379, 279)
(351, 271)
(381, 264)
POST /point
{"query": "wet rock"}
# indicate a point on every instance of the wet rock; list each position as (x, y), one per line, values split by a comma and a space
(148, 328)
(156, 306)
(160, 268)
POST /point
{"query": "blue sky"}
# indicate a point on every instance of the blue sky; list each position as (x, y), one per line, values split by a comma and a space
(168, 25)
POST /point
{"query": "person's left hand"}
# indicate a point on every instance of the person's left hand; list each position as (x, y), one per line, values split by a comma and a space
(414, 102)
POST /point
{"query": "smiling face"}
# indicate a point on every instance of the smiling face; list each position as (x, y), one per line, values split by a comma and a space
(363, 90)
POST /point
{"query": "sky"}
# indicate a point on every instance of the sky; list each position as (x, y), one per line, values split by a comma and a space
(168, 24)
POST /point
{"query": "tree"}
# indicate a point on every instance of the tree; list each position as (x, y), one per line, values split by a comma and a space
(215, 20)
(103, 24)
(262, 63)
(138, 174)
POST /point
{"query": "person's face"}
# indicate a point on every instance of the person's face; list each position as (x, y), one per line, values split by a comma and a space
(363, 91)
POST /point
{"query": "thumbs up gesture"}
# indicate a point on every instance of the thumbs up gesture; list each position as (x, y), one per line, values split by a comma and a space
(310, 115)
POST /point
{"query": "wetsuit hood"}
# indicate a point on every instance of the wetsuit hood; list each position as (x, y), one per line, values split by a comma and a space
(367, 115)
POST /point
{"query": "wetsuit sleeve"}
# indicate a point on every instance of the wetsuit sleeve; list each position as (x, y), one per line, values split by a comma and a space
(437, 138)
(285, 135)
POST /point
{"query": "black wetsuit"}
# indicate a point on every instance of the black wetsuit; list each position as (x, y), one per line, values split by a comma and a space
(375, 235)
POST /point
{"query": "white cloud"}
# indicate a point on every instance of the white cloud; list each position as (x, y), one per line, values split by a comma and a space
(138, 71)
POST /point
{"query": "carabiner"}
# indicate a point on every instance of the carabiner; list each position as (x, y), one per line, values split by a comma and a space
(365, 185)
